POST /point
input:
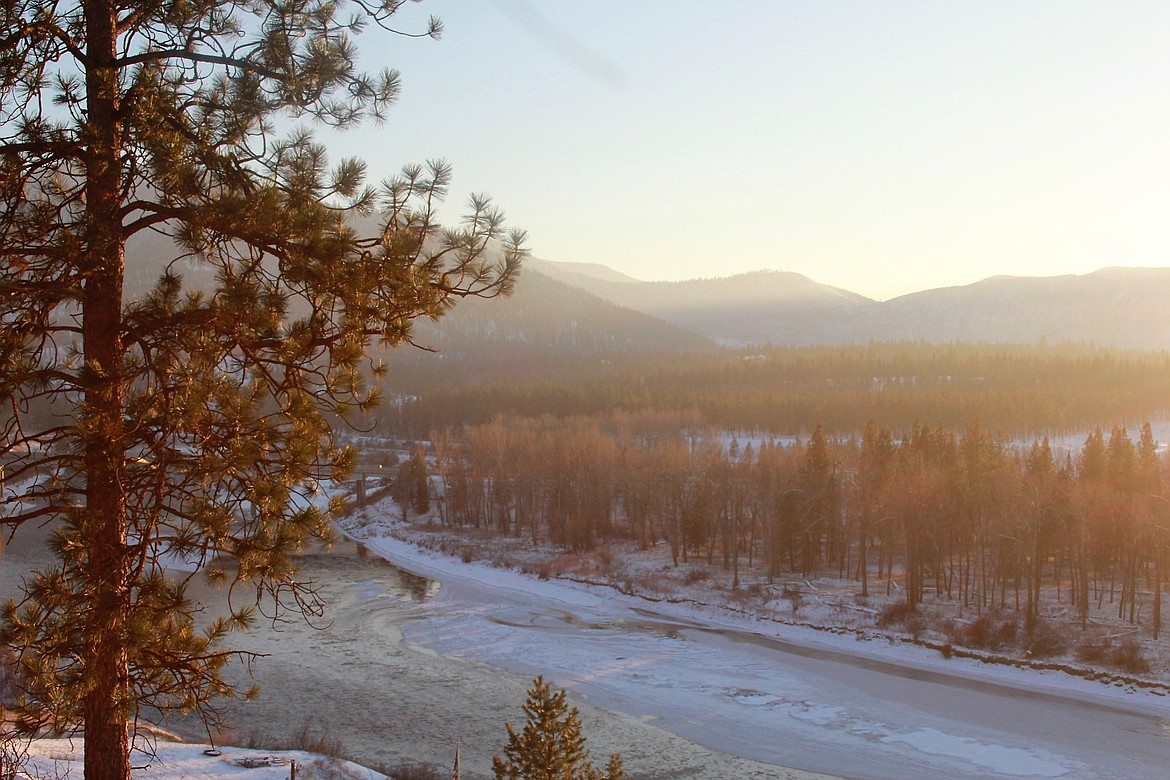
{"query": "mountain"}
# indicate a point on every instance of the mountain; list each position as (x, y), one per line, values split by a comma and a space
(546, 314)
(570, 315)
(747, 308)
(1123, 307)
(545, 328)
(579, 274)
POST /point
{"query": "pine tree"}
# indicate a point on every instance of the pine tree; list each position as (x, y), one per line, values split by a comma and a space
(421, 494)
(411, 488)
(551, 746)
(193, 420)
(818, 483)
(614, 769)
(873, 473)
(1093, 462)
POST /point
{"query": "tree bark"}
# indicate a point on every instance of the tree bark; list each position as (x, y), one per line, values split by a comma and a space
(106, 572)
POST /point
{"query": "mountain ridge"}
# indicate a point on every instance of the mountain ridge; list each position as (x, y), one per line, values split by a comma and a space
(593, 309)
(1113, 306)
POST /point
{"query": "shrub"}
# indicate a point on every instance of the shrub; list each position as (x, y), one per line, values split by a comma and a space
(902, 615)
(320, 742)
(914, 625)
(895, 614)
(977, 633)
(984, 632)
(792, 595)
(327, 769)
(1091, 651)
(1006, 633)
(414, 772)
(304, 738)
(1045, 640)
(1128, 657)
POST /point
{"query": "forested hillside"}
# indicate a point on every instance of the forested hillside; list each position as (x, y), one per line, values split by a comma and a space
(1122, 307)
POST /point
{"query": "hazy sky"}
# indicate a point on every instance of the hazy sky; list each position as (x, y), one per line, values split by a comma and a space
(884, 147)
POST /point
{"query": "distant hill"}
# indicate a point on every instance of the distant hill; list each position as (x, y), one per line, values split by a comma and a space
(579, 274)
(747, 308)
(544, 314)
(566, 313)
(546, 327)
(1124, 307)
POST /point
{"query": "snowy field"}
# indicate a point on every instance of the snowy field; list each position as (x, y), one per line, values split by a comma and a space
(57, 759)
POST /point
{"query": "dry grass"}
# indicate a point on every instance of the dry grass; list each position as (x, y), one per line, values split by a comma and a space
(414, 772)
(305, 738)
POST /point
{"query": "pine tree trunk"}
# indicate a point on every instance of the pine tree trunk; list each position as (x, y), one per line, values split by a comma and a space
(863, 563)
(103, 526)
(1157, 627)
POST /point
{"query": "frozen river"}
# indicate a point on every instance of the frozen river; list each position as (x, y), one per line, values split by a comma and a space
(824, 707)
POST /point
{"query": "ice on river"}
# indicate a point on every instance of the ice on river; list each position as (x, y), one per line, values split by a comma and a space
(785, 695)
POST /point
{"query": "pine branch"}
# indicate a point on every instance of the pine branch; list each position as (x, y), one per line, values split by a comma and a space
(189, 55)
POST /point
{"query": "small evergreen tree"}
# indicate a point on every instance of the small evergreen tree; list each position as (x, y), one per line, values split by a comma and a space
(410, 488)
(551, 745)
(421, 494)
(615, 769)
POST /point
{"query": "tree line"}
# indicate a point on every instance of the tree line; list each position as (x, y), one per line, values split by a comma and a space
(969, 517)
(1021, 390)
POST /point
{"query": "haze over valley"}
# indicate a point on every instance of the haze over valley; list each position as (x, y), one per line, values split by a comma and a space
(567, 479)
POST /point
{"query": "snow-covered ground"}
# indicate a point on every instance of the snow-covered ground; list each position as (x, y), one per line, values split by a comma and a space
(58, 759)
(777, 693)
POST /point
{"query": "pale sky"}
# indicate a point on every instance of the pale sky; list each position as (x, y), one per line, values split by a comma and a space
(883, 147)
